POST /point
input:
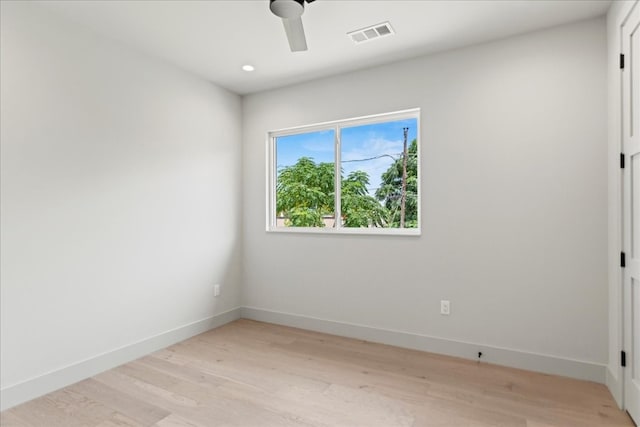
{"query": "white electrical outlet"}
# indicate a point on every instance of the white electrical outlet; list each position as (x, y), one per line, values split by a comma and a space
(216, 290)
(445, 307)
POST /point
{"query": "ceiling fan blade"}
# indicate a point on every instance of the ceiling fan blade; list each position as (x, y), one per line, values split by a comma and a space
(295, 34)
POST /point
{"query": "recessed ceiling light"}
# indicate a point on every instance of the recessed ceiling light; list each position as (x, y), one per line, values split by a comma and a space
(248, 67)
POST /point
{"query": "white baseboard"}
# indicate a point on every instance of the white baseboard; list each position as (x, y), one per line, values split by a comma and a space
(614, 384)
(14, 395)
(500, 356)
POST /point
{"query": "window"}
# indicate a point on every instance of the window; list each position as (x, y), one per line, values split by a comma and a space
(350, 176)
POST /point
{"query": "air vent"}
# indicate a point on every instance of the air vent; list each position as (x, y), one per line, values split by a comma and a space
(370, 33)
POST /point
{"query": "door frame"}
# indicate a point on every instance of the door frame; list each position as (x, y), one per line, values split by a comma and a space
(627, 214)
(617, 16)
(622, 189)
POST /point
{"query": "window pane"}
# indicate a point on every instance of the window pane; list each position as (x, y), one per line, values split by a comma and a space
(376, 190)
(305, 179)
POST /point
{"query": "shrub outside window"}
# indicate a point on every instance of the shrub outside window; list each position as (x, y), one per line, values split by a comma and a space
(350, 176)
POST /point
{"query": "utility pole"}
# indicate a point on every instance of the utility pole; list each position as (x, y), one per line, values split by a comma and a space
(403, 195)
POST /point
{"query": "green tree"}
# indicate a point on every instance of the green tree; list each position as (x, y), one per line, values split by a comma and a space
(390, 191)
(304, 194)
(359, 209)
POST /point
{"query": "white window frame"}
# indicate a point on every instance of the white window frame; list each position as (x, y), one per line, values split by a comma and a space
(336, 125)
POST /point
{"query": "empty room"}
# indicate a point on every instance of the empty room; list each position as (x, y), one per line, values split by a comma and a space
(367, 213)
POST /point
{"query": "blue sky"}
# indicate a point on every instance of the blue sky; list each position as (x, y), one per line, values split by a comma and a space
(358, 143)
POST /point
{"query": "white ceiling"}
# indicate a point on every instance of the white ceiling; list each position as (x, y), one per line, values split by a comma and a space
(215, 38)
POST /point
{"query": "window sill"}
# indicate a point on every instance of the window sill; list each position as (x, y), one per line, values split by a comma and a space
(347, 231)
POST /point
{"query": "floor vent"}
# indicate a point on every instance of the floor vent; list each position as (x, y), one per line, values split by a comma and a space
(371, 33)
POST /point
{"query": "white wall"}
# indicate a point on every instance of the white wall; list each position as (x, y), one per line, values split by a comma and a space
(615, 17)
(120, 198)
(121, 203)
(514, 203)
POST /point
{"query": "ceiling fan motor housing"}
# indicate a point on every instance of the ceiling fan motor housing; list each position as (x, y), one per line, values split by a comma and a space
(287, 9)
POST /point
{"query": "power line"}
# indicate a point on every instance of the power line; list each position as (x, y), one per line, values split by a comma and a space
(391, 156)
(372, 158)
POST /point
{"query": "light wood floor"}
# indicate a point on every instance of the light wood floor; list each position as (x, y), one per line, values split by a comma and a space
(256, 374)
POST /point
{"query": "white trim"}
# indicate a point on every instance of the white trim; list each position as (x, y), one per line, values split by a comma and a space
(352, 231)
(614, 384)
(30, 389)
(337, 176)
(269, 190)
(617, 15)
(544, 363)
(629, 145)
(352, 121)
(335, 126)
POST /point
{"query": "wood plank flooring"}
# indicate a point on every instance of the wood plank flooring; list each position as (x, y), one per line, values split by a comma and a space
(250, 373)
